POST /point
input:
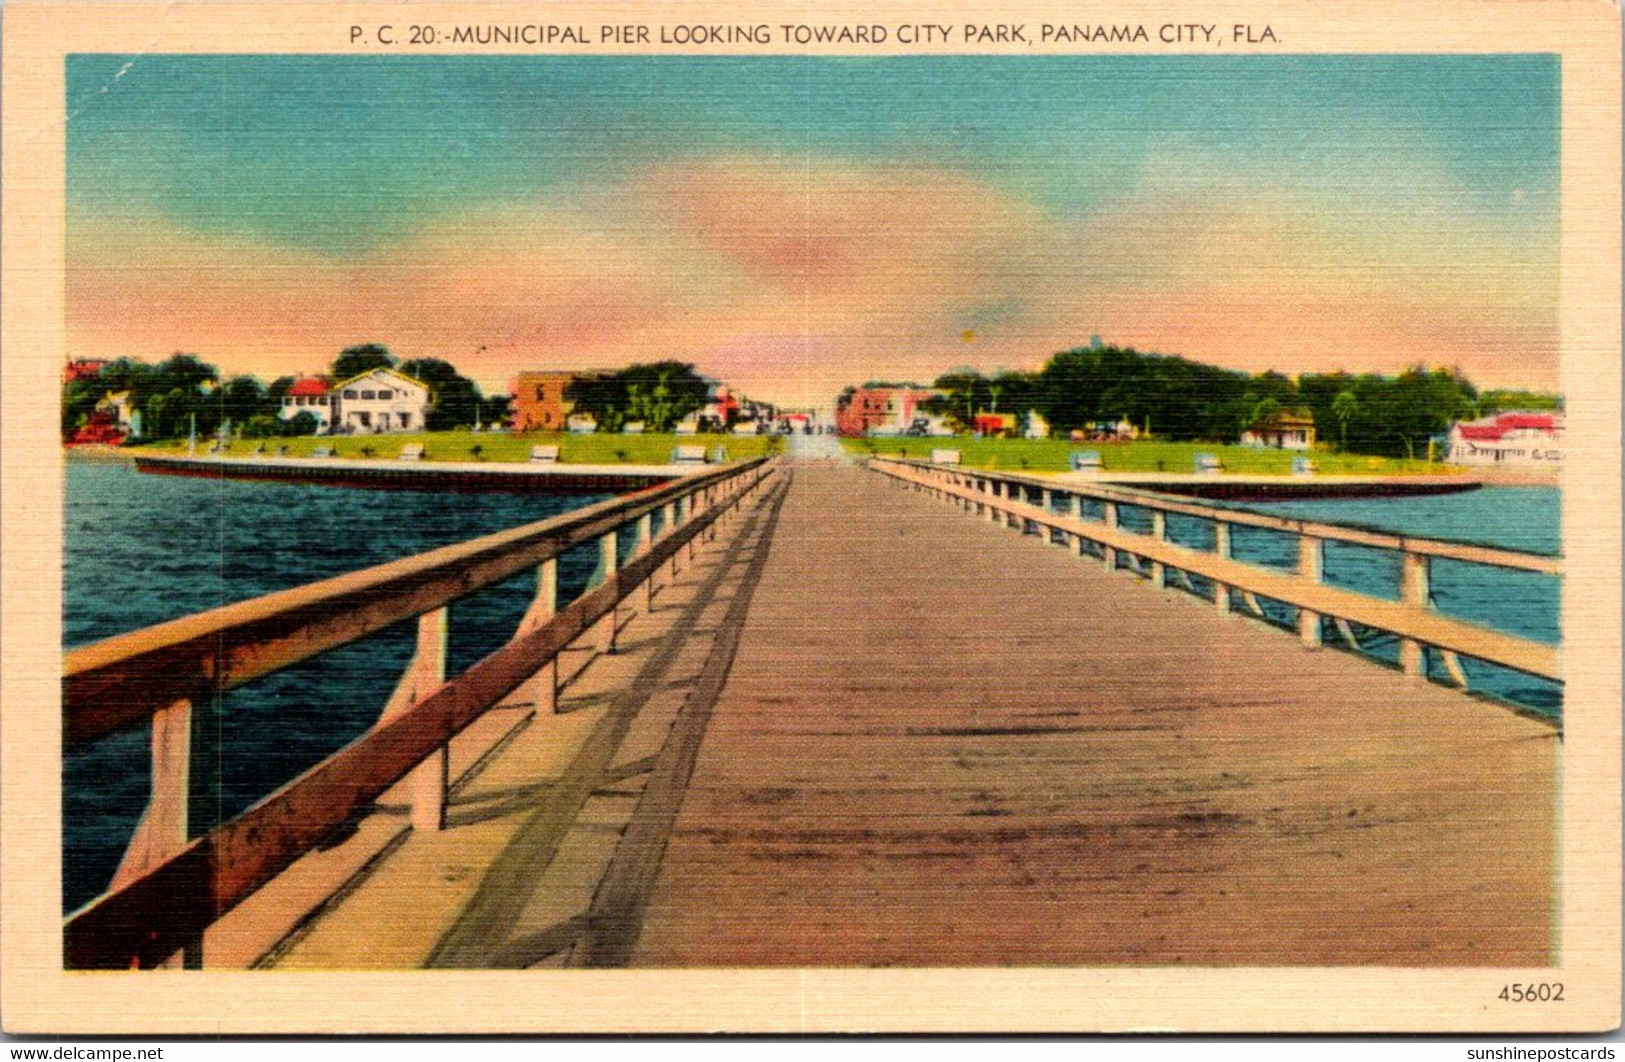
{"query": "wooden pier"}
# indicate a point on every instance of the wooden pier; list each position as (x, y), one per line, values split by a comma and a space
(866, 717)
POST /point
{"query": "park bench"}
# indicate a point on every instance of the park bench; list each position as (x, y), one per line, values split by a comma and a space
(1086, 461)
(688, 455)
(1208, 465)
(945, 457)
(412, 452)
(322, 451)
(544, 455)
(1303, 466)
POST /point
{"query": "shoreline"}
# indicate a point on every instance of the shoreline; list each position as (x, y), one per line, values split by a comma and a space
(434, 476)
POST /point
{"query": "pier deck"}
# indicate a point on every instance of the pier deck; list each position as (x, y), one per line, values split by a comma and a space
(870, 730)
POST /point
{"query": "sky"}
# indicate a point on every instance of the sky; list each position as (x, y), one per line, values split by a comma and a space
(795, 224)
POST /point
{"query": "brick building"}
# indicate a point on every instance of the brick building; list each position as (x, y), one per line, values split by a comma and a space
(538, 400)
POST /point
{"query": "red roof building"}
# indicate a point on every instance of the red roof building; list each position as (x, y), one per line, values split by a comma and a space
(83, 369)
(307, 386)
(1508, 438)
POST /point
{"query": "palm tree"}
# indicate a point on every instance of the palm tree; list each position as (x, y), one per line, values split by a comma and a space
(1344, 407)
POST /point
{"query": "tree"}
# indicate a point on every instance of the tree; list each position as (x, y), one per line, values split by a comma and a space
(262, 426)
(496, 409)
(242, 397)
(455, 398)
(1344, 407)
(658, 394)
(303, 422)
(279, 388)
(353, 361)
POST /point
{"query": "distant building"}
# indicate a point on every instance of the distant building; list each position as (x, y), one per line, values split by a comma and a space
(381, 400)
(881, 410)
(83, 369)
(721, 407)
(1508, 438)
(1287, 430)
(1037, 426)
(993, 423)
(539, 402)
(118, 405)
(309, 394)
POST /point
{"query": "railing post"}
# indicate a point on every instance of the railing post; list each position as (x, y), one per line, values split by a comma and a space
(542, 688)
(425, 674)
(668, 521)
(691, 508)
(1311, 566)
(609, 561)
(1413, 591)
(1109, 517)
(645, 534)
(993, 514)
(162, 831)
(1159, 531)
(1221, 548)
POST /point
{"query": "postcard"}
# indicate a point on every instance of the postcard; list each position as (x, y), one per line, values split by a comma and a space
(880, 517)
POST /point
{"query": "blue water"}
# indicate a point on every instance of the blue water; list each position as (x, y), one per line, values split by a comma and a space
(141, 549)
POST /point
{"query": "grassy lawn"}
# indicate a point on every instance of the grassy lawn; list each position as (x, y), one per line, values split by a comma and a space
(1051, 455)
(585, 449)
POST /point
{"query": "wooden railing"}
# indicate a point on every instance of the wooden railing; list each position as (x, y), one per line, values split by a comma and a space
(170, 886)
(1000, 497)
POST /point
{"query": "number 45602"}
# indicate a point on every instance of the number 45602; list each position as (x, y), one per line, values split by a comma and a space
(1545, 992)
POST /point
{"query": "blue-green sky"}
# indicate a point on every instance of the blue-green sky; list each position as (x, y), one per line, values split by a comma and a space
(790, 216)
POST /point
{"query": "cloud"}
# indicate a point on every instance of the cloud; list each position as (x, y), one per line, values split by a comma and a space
(794, 277)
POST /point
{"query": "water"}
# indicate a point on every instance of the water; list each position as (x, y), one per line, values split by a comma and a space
(141, 549)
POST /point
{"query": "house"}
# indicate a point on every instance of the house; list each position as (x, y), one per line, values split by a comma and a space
(1521, 438)
(380, 400)
(539, 402)
(1286, 430)
(720, 409)
(309, 394)
(83, 369)
(117, 406)
(993, 423)
(880, 410)
(1037, 426)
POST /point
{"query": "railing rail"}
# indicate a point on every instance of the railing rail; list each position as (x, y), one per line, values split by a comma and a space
(171, 887)
(1411, 618)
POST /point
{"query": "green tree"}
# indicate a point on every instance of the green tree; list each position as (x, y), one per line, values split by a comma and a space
(353, 361)
(1344, 407)
(243, 397)
(455, 400)
(658, 394)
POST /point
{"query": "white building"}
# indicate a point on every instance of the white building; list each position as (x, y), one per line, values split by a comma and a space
(1508, 438)
(308, 394)
(1286, 430)
(380, 400)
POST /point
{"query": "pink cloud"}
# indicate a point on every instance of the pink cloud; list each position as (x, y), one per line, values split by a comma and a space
(793, 280)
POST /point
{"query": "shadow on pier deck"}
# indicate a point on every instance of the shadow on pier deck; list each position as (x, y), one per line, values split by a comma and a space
(866, 730)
